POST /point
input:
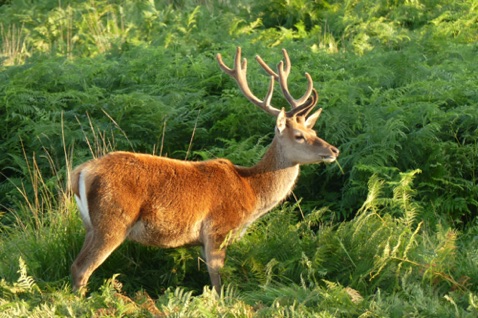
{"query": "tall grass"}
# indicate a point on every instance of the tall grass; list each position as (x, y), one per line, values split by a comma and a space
(14, 50)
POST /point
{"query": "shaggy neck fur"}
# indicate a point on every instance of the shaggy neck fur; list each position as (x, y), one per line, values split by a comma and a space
(272, 178)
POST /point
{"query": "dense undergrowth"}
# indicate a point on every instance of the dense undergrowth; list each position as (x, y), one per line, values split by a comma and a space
(390, 231)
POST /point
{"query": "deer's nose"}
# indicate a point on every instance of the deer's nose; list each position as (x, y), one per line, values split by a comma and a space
(335, 150)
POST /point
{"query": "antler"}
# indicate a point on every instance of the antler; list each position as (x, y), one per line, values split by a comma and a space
(284, 70)
(239, 74)
(299, 106)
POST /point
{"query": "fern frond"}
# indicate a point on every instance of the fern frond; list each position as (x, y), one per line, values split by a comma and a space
(375, 186)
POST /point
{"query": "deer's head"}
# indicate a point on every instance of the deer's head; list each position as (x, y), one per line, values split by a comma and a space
(294, 129)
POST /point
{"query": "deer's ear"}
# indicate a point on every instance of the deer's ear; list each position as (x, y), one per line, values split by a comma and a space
(281, 121)
(310, 122)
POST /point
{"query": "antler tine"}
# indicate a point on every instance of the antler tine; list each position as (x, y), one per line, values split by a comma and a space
(305, 108)
(283, 69)
(283, 75)
(238, 73)
(267, 68)
(287, 62)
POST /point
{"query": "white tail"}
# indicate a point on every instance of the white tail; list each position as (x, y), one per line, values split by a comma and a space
(170, 203)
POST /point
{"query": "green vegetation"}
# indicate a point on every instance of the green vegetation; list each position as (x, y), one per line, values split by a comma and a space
(390, 232)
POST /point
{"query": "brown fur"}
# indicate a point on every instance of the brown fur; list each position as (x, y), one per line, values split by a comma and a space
(170, 203)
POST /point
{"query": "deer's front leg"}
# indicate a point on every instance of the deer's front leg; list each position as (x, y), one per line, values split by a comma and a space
(215, 255)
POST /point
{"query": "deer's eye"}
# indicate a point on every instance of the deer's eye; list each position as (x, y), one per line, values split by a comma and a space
(299, 138)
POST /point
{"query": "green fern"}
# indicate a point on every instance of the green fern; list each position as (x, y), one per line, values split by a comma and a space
(24, 284)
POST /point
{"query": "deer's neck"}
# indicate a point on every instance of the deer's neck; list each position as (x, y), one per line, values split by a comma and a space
(272, 178)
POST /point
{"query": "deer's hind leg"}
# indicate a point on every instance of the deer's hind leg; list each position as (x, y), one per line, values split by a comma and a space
(102, 238)
(98, 245)
(104, 231)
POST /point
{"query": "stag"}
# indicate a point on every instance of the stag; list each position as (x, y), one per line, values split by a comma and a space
(170, 203)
